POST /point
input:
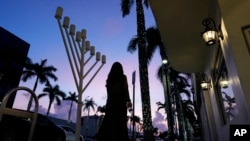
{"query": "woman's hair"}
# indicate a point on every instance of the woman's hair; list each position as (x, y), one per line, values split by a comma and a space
(115, 74)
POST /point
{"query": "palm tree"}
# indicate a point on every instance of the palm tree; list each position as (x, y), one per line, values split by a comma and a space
(170, 116)
(189, 110)
(173, 79)
(143, 67)
(135, 124)
(72, 98)
(54, 93)
(179, 87)
(189, 116)
(87, 104)
(41, 72)
(154, 41)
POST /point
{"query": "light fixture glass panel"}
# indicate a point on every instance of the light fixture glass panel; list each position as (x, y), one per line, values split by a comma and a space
(209, 37)
(205, 82)
(224, 83)
(204, 85)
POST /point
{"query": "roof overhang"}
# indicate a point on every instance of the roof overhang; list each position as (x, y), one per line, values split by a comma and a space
(180, 25)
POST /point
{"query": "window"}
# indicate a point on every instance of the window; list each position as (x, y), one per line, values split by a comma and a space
(223, 89)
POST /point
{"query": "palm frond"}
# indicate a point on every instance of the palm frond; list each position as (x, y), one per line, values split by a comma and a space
(27, 75)
(43, 62)
(126, 6)
(132, 46)
(42, 95)
(72, 97)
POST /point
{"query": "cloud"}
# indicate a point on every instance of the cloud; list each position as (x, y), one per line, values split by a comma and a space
(62, 111)
(27, 95)
(42, 110)
(159, 121)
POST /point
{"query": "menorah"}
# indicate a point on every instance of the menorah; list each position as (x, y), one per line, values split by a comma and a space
(76, 47)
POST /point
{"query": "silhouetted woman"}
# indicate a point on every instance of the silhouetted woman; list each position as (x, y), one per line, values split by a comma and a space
(114, 125)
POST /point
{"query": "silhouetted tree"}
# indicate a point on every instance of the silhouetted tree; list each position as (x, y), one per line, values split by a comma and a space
(41, 72)
(154, 42)
(73, 98)
(54, 93)
(87, 104)
(143, 66)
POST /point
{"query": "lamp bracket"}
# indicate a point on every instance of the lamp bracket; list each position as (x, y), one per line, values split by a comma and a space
(220, 34)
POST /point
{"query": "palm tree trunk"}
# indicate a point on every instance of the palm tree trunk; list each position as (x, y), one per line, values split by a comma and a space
(31, 98)
(170, 116)
(188, 129)
(143, 72)
(181, 119)
(50, 103)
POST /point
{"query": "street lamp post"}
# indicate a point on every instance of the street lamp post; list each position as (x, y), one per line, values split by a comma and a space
(167, 96)
(76, 47)
(165, 87)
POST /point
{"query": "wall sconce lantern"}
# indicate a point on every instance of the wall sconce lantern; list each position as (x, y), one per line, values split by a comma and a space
(205, 82)
(211, 33)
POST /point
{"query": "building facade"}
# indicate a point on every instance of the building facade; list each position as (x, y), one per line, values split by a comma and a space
(13, 54)
(180, 25)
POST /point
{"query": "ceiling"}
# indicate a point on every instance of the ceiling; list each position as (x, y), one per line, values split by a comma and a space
(180, 25)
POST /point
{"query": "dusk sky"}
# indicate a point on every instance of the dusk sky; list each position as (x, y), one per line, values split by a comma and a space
(110, 33)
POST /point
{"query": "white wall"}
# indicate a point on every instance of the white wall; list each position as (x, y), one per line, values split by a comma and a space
(235, 14)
